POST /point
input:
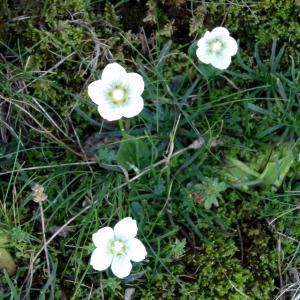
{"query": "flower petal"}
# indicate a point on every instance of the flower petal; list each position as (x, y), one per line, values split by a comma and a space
(203, 55)
(204, 39)
(219, 32)
(231, 46)
(101, 259)
(136, 250)
(222, 62)
(125, 229)
(134, 83)
(121, 266)
(113, 72)
(103, 236)
(96, 91)
(133, 107)
(110, 112)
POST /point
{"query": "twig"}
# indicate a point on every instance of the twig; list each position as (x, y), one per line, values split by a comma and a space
(45, 244)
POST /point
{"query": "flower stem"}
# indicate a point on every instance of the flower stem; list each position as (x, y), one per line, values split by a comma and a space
(122, 128)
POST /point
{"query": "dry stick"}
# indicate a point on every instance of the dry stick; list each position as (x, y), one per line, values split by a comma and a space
(45, 243)
(44, 237)
(101, 287)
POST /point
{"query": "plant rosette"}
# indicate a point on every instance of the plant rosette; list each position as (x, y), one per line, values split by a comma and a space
(216, 48)
(117, 247)
(118, 93)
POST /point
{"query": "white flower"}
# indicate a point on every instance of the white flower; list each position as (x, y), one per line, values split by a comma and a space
(216, 48)
(117, 247)
(117, 94)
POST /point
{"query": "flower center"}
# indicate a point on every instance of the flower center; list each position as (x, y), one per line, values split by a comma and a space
(118, 95)
(118, 248)
(216, 46)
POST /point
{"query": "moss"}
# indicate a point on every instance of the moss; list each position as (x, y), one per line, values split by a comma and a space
(215, 271)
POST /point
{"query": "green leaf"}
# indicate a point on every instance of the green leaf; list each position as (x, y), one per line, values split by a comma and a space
(137, 209)
(192, 51)
(240, 170)
(3, 239)
(210, 189)
(133, 154)
(106, 155)
(209, 71)
(212, 192)
(276, 171)
(239, 173)
(258, 109)
(7, 262)
(178, 248)
(14, 292)
(164, 54)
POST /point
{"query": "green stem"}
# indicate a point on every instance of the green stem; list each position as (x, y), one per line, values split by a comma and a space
(122, 128)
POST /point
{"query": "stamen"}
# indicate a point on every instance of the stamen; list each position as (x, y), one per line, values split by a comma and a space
(216, 46)
(118, 248)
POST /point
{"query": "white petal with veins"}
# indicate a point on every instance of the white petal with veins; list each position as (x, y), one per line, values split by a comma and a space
(113, 72)
(121, 266)
(103, 236)
(136, 250)
(126, 229)
(101, 259)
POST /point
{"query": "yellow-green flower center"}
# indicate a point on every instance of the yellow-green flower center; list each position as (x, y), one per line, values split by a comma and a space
(215, 46)
(118, 94)
(118, 248)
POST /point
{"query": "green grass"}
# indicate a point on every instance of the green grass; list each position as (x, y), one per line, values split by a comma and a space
(219, 220)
